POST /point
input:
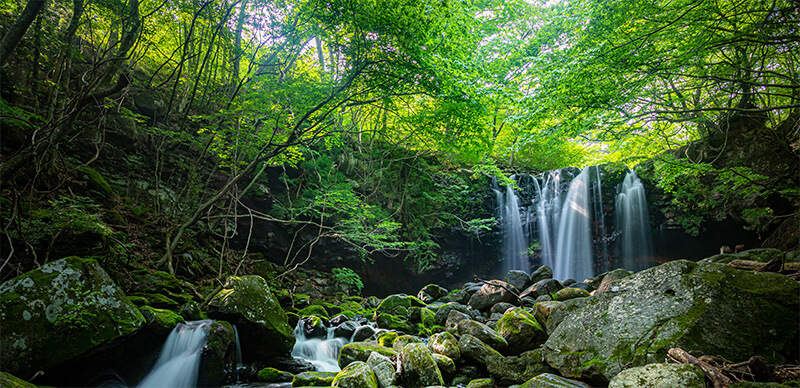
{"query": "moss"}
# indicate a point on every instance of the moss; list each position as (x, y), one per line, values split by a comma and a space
(387, 338)
(356, 375)
(313, 379)
(427, 317)
(159, 300)
(350, 305)
(10, 381)
(139, 301)
(96, 181)
(481, 383)
(272, 375)
(392, 322)
(313, 309)
(360, 351)
(159, 320)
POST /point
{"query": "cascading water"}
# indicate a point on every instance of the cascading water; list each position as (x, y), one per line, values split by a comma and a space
(178, 364)
(632, 222)
(515, 254)
(548, 212)
(599, 217)
(574, 244)
(323, 353)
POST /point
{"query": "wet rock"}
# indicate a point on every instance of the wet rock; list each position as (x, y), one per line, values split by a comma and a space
(160, 321)
(339, 319)
(248, 303)
(431, 293)
(218, 357)
(446, 365)
(543, 287)
(501, 308)
(521, 331)
(394, 322)
(313, 379)
(363, 332)
(384, 369)
(492, 292)
(345, 329)
(419, 367)
(400, 343)
(549, 380)
(454, 318)
(516, 370)
(482, 332)
(65, 309)
(703, 308)
(443, 312)
(570, 293)
(272, 375)
(356, 375)
(541, 273)
(476, 350)
(660, 376)
(480, 383)
(313, 327)
(387, 338)
(360, 351)
(445, 344)
(610, 278)
(519, 279)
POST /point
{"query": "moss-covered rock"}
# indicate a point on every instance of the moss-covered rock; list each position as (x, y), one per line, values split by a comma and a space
(192, 311)
(356, 375)
(445, 344)
(150, 282)
(160, 321)
(95, 180)
(263, 327)
(313, 379)
(384, 369)
(8, 380)
(492, 292)
(549, 380)
(360, 351)
(480, 383)
(440, 318)
(446, 365)
(521, 331)
(65, 309)
(482, 332)
(660, 376)
(394, 322)
(570, 293)
(419, 367)
(272, 375)
(218, 358)
(516, 370)
(138, 301)
(387, 338)
(313, 309)
(703, 308)
(397, 304)
(475, 350)
(761, 255)
(400, 342)
(431, 293)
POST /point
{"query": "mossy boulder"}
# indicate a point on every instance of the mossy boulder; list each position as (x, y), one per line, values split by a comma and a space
(384, 369)
(313, 379)
(8, 380)
(313, 309)
(492, 292)
(517, 369)
(95, 181)
(703, 308)
(761, 255)
(445, 344)
(570, 293)
(356, 375)
(218, 357)
(394, 322)
(400, 342)
(520, 330)
(397, 304)
(483, 333)
(247, 302)
(440, 318)
(481, 383)
(66, 309)
(446, 365)
(138, 301)
(660, 376)
(431, 293)
(387, 338)
(272, 375)
(549, 380)
(475, 350)
(419, 367)
(160, 321)
(151, 284)
(360, 351)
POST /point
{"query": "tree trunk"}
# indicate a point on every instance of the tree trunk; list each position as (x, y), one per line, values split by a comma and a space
(17, 30)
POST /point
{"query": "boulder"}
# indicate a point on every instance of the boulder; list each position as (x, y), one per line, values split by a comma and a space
(397, 304)
(313, 327)
(394, 322)
(474, 349)
(481, 383)
(611, 277)
(543, 287)
(419, 367)
(387, 338)
(360, 351)
(160, 321)
(443, 312)
(313, 379)
(482, 332)
(492, 292)
(519, 279)
(400, 342)
(431, 293)
(454, 318)
(541, 273)
(501, 308)
(762, 255)
(384, 369)
(363, 333)
(263, 327)
(520, 330)
(570, 293)
(68, 308)
(356, 375)
(702, 308)
(345, 329)
(542, 311)
(218, 357)
(8, 380)
(446, 365)
(660, 376)
(549, 380)
(445, 344)
(516, 370)
(272, 375)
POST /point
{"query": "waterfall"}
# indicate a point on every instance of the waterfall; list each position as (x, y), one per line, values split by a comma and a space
(515, 254)
(322, 353)
(632, 222)
(178, 363)
(599, 217)
(574, 243)
(548, 211)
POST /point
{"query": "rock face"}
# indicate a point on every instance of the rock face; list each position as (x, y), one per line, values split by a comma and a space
(419, 367)
(247, 302)
(660, 376)
(65, 309)
(703, 308)
(356, 375)
(520, 330)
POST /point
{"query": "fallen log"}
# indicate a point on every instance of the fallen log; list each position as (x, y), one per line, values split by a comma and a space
(713, 373)
(749, 265)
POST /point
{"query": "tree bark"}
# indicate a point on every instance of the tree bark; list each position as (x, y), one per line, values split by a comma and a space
(17, 30)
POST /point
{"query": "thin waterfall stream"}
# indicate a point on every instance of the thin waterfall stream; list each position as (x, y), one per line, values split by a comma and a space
(179, 361)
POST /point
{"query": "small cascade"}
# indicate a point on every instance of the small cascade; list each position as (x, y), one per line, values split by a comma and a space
(323, 353)
(515, 254)
(599, 217)
(179, 361)
(632, 223)
(574, 244)
(548, 212)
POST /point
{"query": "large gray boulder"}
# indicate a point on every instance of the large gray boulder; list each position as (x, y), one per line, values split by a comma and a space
(520, 330)
(549, 380)
(483, 333)
(384, 369)
(660, 376)
(445, 344)
(419, 367)
(519, 279)
(512, 370)
(247, 302)
(490, 293)
(703, 308)
(68, 308)
(475, 350)
(356, 375)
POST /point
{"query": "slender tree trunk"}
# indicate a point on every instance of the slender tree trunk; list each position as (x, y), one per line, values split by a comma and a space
(17, 30)
(319, 54)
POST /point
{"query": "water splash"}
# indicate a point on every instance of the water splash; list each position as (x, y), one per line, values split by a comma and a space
(322, 353)
(178, 364)
(632, 222)
(574, 244)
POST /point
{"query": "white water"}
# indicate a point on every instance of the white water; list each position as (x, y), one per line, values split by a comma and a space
(515, 253)
(178, 363)
(573, 253)
(322, 353)
(632, 222)
(599, 218)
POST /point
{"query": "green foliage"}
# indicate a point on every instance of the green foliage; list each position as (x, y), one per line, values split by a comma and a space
(347, 277)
